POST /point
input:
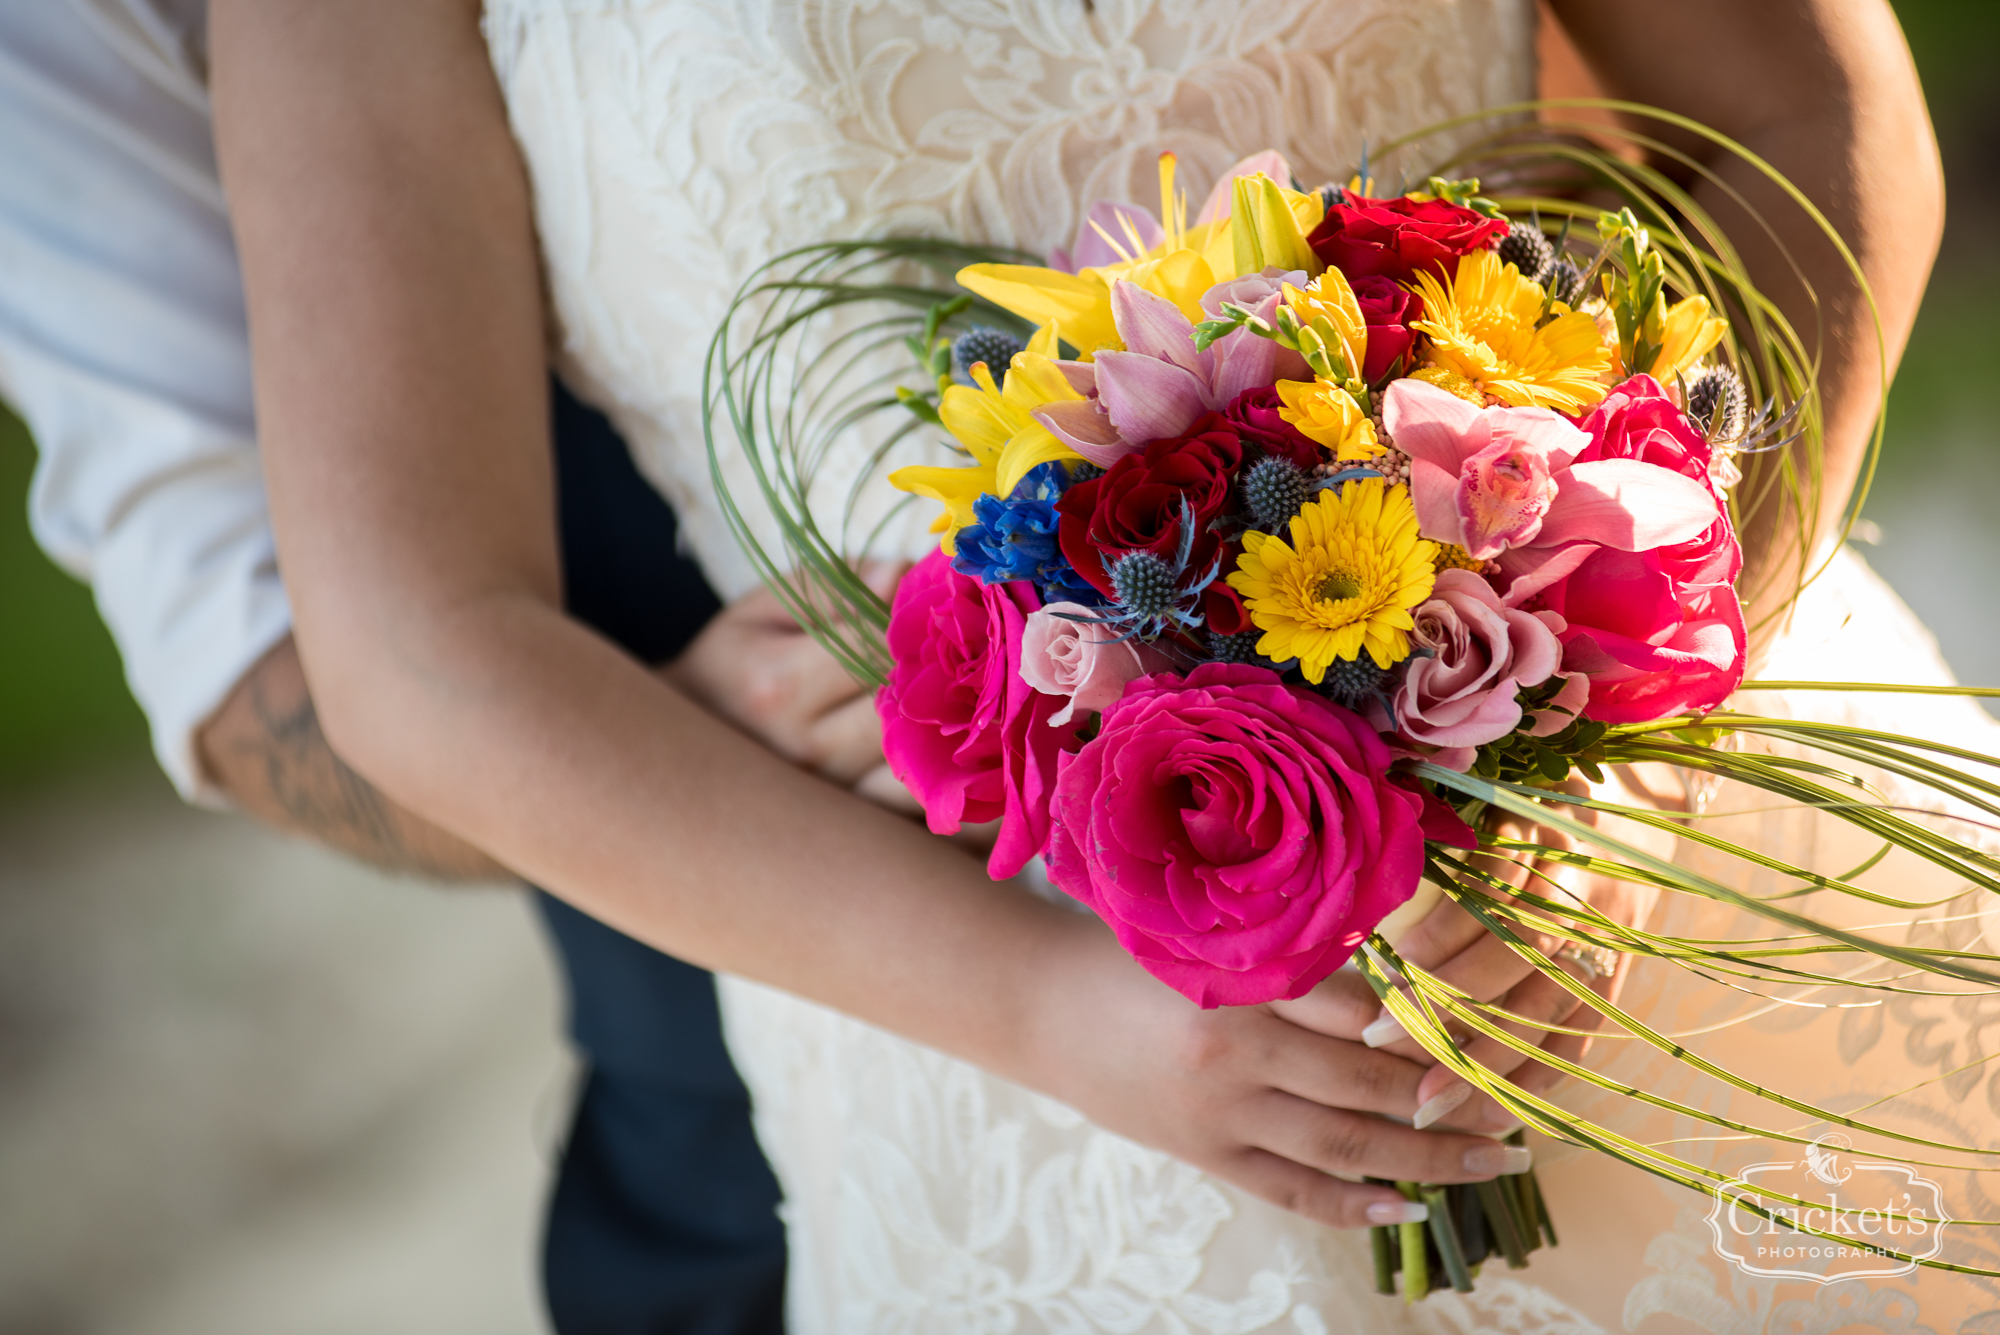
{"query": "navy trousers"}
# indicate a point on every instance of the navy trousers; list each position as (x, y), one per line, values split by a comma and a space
(664, 1214)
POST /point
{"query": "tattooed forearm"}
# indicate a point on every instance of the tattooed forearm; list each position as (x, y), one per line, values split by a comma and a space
(265, 749)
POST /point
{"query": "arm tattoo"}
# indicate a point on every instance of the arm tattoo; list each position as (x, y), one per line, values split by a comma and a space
(315, 788)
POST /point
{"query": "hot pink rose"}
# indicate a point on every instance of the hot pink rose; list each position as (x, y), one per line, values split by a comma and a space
(1241, 836)
(1654, 641)
(1484, 653)
(968, 737)
(1660, 632)
(1638, 421)
(1084, 660)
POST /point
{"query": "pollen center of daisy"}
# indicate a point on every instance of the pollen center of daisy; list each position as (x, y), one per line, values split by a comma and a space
(1337, 586)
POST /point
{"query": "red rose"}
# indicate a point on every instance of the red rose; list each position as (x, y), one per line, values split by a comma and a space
(1222, 608)
(1389, 310)
(1398, 237)
(1137, 505)
(1254, 415)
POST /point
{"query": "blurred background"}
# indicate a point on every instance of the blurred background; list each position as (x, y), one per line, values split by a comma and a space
(248, 1087)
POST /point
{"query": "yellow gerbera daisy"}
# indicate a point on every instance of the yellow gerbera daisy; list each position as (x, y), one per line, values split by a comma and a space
(1346, 582)
(1483, 328)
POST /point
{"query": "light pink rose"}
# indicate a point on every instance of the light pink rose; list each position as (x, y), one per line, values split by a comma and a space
(1082, 659)
(1484, 652)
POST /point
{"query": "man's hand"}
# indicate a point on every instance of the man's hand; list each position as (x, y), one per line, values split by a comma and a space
(758, 668)
(1451, 944)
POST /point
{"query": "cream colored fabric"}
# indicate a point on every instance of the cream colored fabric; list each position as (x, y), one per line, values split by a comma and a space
(674, 147)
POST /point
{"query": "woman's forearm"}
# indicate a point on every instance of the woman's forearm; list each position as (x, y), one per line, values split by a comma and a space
(1825, 91)
(397, 327)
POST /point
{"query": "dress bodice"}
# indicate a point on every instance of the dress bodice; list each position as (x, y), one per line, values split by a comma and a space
(676, 145)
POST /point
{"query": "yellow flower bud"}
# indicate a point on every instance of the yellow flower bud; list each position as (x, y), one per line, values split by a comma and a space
(1326, 413)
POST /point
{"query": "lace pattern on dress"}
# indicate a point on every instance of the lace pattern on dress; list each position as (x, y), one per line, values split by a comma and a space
(675, 146)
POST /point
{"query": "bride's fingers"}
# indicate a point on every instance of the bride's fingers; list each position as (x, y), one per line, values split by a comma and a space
(1334, 1140)
(1336, 1072)
(1342, 1006)
(1540, 1002)
(1485, 970)
(1320, 1198)
(884, 789)
(846, 742)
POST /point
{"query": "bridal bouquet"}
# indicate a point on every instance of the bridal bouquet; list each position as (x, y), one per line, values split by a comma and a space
(1288, 542)
(1346, 483)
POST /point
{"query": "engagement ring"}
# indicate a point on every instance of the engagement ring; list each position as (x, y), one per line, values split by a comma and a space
(1595, 961)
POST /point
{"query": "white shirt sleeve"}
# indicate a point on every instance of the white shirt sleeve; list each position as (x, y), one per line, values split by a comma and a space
(123, 346)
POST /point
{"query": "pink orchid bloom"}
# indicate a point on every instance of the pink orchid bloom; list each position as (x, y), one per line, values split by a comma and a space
(1502, 482)
(1159, 386)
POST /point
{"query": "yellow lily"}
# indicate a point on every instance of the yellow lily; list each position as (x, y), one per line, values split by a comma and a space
(1688, 333)
(1265, 227)
(1326, 413)
(997, 427)
(1188, 262)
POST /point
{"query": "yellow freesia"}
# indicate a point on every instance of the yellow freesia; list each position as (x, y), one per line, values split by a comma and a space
(1326, 413)
(997, 427)
(1328, 307)
(1264, 230)
(1689, 333)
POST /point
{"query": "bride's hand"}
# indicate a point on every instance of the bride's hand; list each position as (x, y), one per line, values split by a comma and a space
(755, 666)
(1452, 945)
(1275, 1099)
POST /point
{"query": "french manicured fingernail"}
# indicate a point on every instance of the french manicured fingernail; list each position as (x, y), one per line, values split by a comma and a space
(1383, 1032)
(1499, 1160)
(1437, 1105)
(1398, 1212)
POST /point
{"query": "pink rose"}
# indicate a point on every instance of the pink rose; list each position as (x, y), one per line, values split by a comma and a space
(1630, 546)
(1241, 836)
(1484, 653)
(964, 733)
(1084, 660)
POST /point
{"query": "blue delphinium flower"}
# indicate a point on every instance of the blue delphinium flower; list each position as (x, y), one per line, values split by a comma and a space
(1016, 539)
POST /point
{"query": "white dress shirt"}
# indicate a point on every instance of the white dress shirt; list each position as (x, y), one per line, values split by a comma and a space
(123, 346)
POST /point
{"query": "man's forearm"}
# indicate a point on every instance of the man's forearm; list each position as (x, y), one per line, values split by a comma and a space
(264, 748)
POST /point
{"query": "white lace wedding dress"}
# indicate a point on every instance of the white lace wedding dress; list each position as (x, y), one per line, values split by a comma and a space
(673, 147)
